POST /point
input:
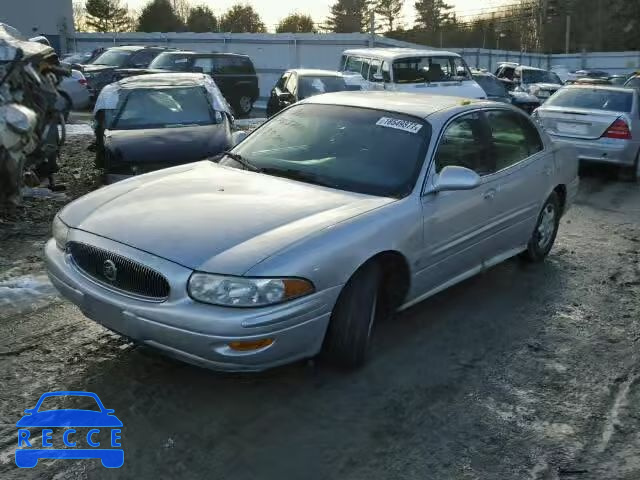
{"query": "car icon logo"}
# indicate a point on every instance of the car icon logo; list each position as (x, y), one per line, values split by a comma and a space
(79, 433)
(109, 270)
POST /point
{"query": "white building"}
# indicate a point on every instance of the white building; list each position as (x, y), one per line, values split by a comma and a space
(51, 18)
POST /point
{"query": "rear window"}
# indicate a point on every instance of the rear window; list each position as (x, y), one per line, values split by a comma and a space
(596, 99)
(310, 86)
(233, 65)
(171, 61)
(491, 85)
(422, 69)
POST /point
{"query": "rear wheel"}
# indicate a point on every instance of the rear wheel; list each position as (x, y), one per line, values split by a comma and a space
(631, 174)
(348, 338)
(544, 235)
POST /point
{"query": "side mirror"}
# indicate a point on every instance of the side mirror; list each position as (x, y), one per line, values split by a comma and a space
(455, 178)
(237, 137)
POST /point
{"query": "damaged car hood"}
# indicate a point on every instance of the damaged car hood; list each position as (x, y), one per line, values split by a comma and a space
(213, 218)
(167, 146)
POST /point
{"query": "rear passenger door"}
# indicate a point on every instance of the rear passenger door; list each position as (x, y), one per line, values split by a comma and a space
(522, 179)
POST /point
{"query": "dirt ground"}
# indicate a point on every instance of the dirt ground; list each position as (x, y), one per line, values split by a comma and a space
(523, 372)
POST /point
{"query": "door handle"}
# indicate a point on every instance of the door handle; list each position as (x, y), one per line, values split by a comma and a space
(490, 194)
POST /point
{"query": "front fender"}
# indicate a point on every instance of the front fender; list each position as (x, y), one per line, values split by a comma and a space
(330, 256)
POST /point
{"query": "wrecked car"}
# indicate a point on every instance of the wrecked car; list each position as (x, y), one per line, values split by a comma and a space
(30, 116)
(313, 228)
(154, 121)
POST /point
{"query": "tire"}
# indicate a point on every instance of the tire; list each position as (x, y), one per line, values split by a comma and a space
(68, 106)
(348, 337)
(544, 234)
(243, 105)
(630, 174)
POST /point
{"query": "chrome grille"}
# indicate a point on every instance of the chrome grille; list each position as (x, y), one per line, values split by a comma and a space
(119, 272)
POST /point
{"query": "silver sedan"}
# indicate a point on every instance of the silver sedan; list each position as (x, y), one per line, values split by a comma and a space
(601, 122)
(339, 211)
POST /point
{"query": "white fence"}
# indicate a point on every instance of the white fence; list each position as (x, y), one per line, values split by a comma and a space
(274, 53)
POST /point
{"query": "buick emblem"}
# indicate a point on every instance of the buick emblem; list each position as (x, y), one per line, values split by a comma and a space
(109, 270)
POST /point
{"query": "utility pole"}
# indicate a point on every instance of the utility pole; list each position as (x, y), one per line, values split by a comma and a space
(567, 38)
(440, 37)
(372, 29)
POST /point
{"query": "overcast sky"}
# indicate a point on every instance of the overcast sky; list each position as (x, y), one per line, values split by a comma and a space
(272, 11)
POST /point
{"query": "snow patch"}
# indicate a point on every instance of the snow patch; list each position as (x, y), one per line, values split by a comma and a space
(22, 294)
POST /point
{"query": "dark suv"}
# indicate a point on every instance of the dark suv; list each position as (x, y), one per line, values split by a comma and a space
(112, 65)
(234, 74)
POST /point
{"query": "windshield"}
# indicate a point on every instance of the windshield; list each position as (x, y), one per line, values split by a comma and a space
(310, 86)
(430, 69)
(164, 107)
(633, 82)
(491, 85)
(596, 99)
(113, 58)
(356, 149)
(171, 61)
(539, 76)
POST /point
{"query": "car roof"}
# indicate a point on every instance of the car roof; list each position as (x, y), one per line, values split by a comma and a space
(315, 71)
(164, 79)
(396, 53)
(599, 87)
(414, 104)
(527, 67)
(206, 54)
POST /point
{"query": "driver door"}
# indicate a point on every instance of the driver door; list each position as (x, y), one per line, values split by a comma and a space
(455, 222)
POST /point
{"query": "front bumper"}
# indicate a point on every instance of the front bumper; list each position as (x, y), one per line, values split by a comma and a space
(603, 150)
(187, 330)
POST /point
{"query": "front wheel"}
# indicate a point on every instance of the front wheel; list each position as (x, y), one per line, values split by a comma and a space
(544, 235)
(348, 338)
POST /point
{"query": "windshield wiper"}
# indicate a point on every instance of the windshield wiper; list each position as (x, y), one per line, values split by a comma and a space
(241, 160)
(307, 177)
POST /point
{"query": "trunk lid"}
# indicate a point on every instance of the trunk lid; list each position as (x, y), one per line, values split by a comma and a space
(577, 122)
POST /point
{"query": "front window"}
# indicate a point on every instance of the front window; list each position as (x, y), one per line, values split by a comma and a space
(171, 61)
(310, 86)
(540, 76)
(113, 58)
(361, 150)
(164, 108)
(596, 99)
(430, 69)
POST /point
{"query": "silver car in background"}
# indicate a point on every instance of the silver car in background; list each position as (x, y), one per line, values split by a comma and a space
(340, 210)
(601, 122)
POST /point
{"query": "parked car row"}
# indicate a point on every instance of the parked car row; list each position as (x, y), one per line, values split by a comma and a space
(234, 74)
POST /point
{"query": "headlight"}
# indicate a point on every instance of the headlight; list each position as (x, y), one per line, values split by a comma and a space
(246, 292)
(60, 232)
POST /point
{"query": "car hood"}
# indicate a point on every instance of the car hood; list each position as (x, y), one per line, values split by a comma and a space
(167, 146)
(213, 218)
(69, 418)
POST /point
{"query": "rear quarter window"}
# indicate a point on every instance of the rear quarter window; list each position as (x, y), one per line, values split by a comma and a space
(233, 65)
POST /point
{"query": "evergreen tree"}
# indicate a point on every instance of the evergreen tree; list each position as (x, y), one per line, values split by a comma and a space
(348, 16)
(201, 19)
(159, 16)
(242, 19)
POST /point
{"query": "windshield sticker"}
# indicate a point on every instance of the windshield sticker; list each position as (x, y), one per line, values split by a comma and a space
(399, 124)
